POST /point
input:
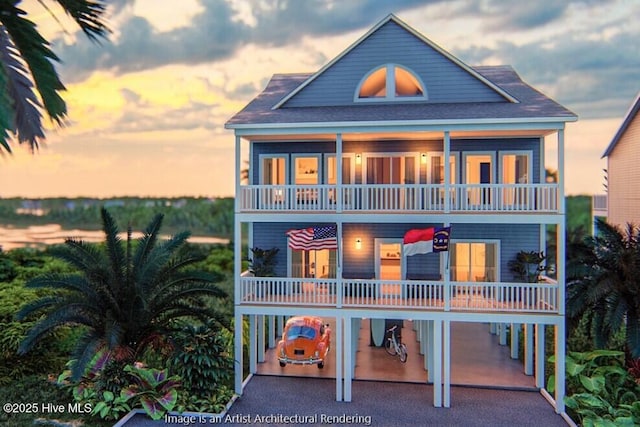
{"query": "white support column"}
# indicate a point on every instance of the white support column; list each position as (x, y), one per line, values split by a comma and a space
(493, 330)
(503, 333)
(447, 171)
(348, 359)
(560, 365)
(437, 363)
(561, 201)
(540, 355)
(339, 172)
(355, 336)
(339, 352)
(515, 340)
(429, 353)
(261, 338)
(339, 282)
(446, 363)
(253, 344)
(528, 349)
(280, 325)
(560, 263)
(237, 357)
(272, 331)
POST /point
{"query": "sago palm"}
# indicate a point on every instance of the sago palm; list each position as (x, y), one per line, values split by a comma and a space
(126, 294)
(27, 61)
(606, 285)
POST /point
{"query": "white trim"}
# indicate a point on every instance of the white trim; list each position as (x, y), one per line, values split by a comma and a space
(528, 153)
(392, 17)
(263, 156)
(403, 259)
(497, 242)
(466, 154)
(432, 154)
(350, 156)
(292, 169)
(390, 85)
(437, 124)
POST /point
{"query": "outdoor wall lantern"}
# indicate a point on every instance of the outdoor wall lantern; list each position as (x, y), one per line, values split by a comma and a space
(358, 243)
(423, 158)
(358, 159)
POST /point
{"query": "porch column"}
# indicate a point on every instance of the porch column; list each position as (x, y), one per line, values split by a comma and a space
(237, 355)
(348, 357)
(339, 352)
(261, 336)
(253, 345)
(437, 363)
(561, 201)
(272, 331)
(502, 328)
(429, 353)
(528, 349)
(446, 346)
(447, 171)
(540, 355)
(339, 282)
(280, 325)
(355, 337)
(560, 372)
(339, 172)
(515, 341)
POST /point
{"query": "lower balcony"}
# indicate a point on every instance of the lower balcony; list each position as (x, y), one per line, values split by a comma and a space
(400, 198)
(405, 294)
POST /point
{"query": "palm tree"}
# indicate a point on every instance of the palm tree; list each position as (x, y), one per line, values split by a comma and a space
(606, 285)
(126, 295)
(26, 60)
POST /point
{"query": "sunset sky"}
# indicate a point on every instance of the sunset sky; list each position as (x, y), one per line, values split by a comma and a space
(147, 107)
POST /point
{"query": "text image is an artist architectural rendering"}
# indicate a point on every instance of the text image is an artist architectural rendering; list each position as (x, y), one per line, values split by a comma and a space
(398, 184)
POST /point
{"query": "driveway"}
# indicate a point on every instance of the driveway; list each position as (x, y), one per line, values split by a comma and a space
(267, 400)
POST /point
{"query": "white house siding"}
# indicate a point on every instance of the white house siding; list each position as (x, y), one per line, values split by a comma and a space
(624, 177)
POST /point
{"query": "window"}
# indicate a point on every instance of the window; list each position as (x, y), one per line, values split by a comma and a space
(391, 169)
(274, 170)
(474, 261)
(316, 264)
(436, 168)
(515, 168)
(306, 170)
(389, 82)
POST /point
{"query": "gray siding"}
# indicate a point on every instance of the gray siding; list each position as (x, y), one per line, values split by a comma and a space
(361, 264)
(445, 81)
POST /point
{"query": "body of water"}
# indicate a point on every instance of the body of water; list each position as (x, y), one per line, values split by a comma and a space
(51, 234)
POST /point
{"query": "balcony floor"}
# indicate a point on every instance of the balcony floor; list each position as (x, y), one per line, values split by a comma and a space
(477, 359)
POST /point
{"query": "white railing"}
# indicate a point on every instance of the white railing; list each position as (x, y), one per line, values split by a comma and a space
(403, 294)
(599, 205)
(396, 197)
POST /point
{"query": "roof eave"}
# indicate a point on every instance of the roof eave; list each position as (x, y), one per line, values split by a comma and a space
(628, 118)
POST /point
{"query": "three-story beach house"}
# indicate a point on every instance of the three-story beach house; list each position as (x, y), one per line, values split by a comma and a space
(389, 142)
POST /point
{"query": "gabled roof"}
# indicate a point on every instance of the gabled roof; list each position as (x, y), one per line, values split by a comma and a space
(395, 19)
(628, 118)
(532, 106)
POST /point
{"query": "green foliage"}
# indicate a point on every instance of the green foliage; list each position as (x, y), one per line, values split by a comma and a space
(579, 213)
(153, 389)
(111, 406)
(605, 286)
(202, 358)
(214, 402)
(527, 266)
(263, 262)
(126, 293)
(600, 391)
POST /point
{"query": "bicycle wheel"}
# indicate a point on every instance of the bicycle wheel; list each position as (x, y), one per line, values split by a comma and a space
(388, 345)
(403, 353)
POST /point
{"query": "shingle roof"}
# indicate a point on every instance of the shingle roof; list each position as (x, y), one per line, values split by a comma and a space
(631, 114)
(531, 104)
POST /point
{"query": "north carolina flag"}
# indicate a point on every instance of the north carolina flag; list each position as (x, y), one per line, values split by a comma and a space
(424, 241)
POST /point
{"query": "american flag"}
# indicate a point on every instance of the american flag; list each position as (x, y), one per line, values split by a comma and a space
(323, 237)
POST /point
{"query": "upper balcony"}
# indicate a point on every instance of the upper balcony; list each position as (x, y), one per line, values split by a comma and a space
(401, 198)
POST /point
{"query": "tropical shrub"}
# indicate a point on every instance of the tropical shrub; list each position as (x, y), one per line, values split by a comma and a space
(127, 294)
(263, 262)
(606, 291)
(527, 266)
(153, 389)
(600, 391)
(202, 358)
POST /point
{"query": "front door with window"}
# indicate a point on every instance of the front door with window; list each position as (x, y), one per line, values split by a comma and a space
(386, 171)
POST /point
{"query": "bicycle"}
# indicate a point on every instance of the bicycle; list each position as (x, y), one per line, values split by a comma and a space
(393, 347)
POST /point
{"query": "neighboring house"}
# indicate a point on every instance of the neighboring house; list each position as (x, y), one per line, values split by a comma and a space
(623, 158)
(396, 134)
